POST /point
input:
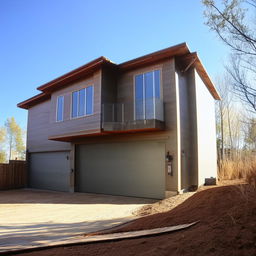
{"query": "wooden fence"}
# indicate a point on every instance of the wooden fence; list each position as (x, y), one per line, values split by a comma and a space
(13, 175)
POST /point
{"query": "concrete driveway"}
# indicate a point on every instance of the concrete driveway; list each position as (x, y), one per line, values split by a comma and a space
(34, 217)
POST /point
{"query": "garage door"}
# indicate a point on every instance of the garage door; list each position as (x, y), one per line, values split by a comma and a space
(129, 169)
(49, 171)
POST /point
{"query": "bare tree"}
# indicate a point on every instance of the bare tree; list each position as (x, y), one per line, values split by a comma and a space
(231, 21)
(228, 120)
(222, 109)
(250, 134)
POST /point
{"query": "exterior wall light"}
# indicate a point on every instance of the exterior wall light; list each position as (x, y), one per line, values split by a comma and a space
(169, 157)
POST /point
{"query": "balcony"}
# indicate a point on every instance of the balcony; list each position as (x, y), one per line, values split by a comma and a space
(140, 115)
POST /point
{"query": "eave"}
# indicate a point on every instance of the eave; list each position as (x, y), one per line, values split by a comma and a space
(192, 60)
(26, 104)
(73, 137)
(75, 74)
(177, 50)
(180, 51)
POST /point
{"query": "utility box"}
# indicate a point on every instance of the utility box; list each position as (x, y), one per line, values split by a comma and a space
(210, 181)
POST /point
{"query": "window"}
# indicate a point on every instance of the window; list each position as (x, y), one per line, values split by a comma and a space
(60, 108)
(147, 95)
(82, 102)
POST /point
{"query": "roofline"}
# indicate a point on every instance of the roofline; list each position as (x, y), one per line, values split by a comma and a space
(74, 74)
(173, 51)
(176, 50)
(205, 77)
(26, 104)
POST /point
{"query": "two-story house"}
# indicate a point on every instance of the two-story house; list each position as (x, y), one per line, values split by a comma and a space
(143, 128)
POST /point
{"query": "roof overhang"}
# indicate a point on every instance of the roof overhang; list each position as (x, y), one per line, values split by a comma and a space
(180, 51)
(34, 100)
(75, 74)
(64, 80)
(192, 60)
(74, 137)
(177, 50)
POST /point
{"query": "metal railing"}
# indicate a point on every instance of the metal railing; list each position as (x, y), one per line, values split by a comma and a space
(149, 109)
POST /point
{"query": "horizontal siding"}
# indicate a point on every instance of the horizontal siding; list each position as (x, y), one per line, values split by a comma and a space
(69, 125)
(125, 93)
(38, 130)
(125, 89)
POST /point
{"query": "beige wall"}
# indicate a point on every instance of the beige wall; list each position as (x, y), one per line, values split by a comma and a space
(185, 130)
(206, 132)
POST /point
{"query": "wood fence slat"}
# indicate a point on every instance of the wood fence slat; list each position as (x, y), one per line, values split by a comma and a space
(13, 175)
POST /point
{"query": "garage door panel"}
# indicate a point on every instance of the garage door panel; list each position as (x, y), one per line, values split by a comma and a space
(49, 171)
(130, 169)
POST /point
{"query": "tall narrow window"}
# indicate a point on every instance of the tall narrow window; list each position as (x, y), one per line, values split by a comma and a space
(89, 100)
(74, 104)
(81, 105)
(147, 95)
(60, 108)
(139, 95)
(82, 102)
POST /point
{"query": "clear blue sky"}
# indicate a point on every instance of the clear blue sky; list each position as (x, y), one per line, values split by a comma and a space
(43, 39)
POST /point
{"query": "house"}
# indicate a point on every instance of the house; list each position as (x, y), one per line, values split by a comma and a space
(143, 128)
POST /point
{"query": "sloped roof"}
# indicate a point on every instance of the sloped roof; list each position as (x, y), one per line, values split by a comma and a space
(178, 51)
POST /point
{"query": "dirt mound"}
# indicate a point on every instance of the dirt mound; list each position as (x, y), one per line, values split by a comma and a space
(164, 205)
(208, 206)
(227, 227)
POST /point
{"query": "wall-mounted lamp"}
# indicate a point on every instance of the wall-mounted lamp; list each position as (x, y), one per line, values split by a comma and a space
(169, 157)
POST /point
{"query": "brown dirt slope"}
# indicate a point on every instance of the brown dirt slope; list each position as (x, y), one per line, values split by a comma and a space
(164, 205)
(227, 227)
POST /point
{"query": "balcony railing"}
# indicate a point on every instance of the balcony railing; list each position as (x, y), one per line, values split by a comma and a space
(139, 114)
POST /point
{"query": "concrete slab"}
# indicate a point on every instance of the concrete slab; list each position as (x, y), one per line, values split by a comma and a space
(105, 237)
(33, 217)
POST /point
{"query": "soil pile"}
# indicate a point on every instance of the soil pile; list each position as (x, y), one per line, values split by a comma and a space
(227, 227)
(164, 205)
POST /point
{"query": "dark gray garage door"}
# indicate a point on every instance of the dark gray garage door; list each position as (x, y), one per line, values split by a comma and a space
(129, 169)
(49, 171)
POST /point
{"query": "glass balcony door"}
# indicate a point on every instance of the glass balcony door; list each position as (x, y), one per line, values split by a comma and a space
(147, 94)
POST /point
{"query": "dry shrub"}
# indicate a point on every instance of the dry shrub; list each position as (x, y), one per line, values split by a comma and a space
(238, 169)
(251, 176)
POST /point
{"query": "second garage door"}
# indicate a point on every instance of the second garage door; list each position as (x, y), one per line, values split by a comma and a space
(129, 169)
(49, 171)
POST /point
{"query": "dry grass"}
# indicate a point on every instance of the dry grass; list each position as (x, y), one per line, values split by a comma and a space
(238, 169)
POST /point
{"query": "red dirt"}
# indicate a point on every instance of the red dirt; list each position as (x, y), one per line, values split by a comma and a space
(227, 227)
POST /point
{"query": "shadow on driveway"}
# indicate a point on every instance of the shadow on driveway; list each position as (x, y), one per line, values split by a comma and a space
(25, 196)
(21, 236)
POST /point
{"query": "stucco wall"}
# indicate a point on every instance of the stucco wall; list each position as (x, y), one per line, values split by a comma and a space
(206, 132)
